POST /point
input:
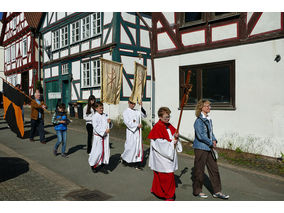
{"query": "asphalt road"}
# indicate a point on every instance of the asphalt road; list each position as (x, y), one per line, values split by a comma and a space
(72, 179)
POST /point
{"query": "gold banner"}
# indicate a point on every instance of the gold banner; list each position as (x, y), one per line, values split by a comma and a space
(139, 83)
(111, 81)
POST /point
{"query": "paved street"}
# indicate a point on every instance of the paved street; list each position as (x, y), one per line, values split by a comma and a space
(32, 172)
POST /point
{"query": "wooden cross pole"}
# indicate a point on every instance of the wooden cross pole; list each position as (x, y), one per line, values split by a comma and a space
(187, 88)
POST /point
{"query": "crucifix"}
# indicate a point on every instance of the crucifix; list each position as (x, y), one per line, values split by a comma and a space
(187, 89)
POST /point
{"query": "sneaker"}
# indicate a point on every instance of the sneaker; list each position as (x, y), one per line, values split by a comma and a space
(202, 195)
(55, 152)
(139, 168)
(64, 155)
(221, 196)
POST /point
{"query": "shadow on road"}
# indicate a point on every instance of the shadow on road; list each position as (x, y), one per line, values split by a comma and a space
(178, 177)
(113, 162)
(75, 148)
(12, 167)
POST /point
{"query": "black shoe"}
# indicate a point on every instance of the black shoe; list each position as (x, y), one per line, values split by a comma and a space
(32, 140)
(64, 155)
(43, 142)
(139, 168)
(55, 152)
(103, 169)
(94, 170)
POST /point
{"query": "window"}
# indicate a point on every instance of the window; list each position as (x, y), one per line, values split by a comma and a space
(25, 47)
(13, 52)
(96, 72)
(14, 23)
(214, 81)
(188, 19)
(55, 39)
(86, 27)
(64, 36)
(75, 32)
(64, 69)
(86, 74)
(192, 18)
(8, 52)
(96, 23)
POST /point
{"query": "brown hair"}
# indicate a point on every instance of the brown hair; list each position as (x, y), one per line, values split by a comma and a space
(91, 98)
(163, 110)
(199, 106)
(98, 104)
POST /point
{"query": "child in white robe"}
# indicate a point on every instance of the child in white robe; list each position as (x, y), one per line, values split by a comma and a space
(163, 155)
(133, 148)
(100, 152)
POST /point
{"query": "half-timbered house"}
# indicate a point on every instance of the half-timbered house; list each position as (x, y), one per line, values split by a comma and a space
(73, 44)
(19, 37)
(235, 59)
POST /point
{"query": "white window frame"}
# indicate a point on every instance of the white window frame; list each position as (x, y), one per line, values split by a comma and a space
(64, 36)
(85, 27)
(64, 69)
(75, 32)
(55, 44)
(14, 23)
(25, 47)
(96, 73)
(86, 74)
(8, 55)
(96, 23)
(13, 52)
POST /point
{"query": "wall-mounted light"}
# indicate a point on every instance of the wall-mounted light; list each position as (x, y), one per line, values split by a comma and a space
(277, 58)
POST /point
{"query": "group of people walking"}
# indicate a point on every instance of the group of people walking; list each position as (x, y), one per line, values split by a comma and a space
(165, 144)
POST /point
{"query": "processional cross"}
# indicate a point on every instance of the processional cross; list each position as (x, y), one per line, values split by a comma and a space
(187, 89)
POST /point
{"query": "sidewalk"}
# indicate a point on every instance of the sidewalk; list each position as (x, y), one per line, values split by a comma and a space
(72, 179)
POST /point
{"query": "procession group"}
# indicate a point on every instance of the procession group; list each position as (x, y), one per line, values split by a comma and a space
(165, 144)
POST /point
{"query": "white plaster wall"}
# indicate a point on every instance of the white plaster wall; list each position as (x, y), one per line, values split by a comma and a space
(96, 42)
(74, 49)
(144, 38)
(170, 16)
(129, 17)
(73, 93)
(257, 123)
(86, 94)
(224, 32)
(192, 38)
(268, 21)
(123, 36)
(63, 53)
(107, 17)
(85, 46)
(164, 42)
(60, 15)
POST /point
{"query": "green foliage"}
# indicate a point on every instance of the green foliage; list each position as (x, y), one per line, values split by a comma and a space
(238, 150)
(145, 132)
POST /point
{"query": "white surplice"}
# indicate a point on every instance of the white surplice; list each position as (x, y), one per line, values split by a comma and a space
(133, 150)
(100, 140)
(163, 155)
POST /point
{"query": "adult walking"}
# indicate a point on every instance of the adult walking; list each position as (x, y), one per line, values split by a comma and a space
(203, 144)
(88, 112)
(37, 117)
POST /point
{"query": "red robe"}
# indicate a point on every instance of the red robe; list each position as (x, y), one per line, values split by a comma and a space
(163, 185)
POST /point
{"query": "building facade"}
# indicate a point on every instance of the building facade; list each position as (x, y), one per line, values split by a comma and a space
(235, 60)
(20, 41)
(73, 44)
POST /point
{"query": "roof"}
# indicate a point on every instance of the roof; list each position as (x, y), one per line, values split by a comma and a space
(33, 18)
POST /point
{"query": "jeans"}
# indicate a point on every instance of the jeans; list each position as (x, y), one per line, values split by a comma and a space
(61, 138)
(40, 125)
